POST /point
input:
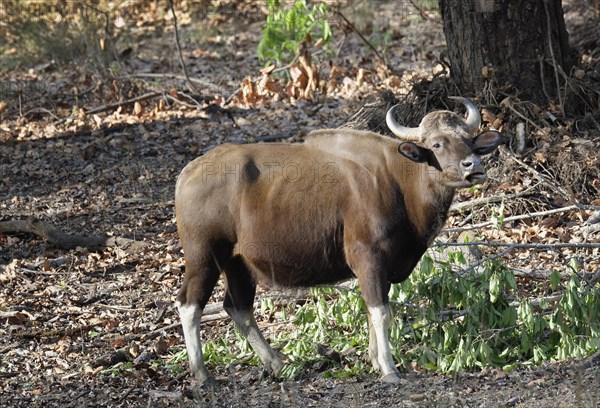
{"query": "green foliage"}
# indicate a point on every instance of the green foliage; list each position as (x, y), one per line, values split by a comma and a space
(286, 28)
(444, 320)
(470, 320)
(118, 369)
(331, 317)
(498, 218)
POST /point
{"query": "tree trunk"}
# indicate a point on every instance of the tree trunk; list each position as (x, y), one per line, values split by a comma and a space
(519, 46)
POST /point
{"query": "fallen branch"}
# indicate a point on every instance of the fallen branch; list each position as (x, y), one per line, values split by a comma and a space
(537, 301)
(590, 229)
(59, 239)
(173, 395)
(36, 334)
(180, 102)
(110, 106)
(594, 219)
(488, 200)
(516, 218)
(545, 180)
(560, 245)
(212, 312)
(531, 274)
(214, 88)
(590, 278)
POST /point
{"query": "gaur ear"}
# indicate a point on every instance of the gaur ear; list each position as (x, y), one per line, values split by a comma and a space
(413, 152)
(486, 142)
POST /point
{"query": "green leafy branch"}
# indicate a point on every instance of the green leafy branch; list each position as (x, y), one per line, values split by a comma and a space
(287, 28)
(445, 321)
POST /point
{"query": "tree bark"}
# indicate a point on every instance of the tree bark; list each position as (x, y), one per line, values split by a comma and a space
(518, 46)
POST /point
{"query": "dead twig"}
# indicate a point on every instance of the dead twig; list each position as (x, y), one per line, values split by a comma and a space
(543, 179)
(519, 217)
(508, 103)
(590, 229)
(9, 375)
(362, 37)
(124, 396)
(185, 72)
(559, 245)
(212, 312)
(180, 102)
(189, 98)
(491, 199)
(209, 85)
(8, 348)
(58, 238)
(41, 110)
(173, 395)
(118, 307)
(34, 334)
(420, 10)
(32, 272)
(110, 106)
(151, 334)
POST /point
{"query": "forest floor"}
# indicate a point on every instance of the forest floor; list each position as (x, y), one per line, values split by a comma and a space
(81, 327)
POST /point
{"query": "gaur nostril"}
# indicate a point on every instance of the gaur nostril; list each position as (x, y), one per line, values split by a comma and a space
(467, 164)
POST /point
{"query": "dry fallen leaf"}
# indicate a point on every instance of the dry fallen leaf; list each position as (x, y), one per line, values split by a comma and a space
(540, 157)
(417, 397)
(267, 70)
(299, 75)
(249, 92)
(161, 346)
(535, 383)
(138, 109)
(118, 343)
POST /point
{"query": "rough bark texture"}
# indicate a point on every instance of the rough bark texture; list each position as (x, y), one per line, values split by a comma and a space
(510, 44)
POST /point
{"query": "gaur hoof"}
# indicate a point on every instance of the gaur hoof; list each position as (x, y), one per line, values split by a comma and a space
(200, 389)
(275, 368)
(392, 378)
(205, 381)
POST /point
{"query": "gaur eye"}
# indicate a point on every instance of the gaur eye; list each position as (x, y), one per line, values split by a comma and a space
(437, 145)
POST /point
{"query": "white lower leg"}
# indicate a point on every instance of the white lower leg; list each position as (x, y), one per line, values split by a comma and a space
(190, 321)
(380, 320)
(247, 325)
(373, 355)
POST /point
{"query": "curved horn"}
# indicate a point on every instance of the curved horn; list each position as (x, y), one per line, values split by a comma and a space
(402, 132)
(473, 120)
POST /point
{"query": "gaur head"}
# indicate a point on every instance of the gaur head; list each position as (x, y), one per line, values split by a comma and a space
(449, 143)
